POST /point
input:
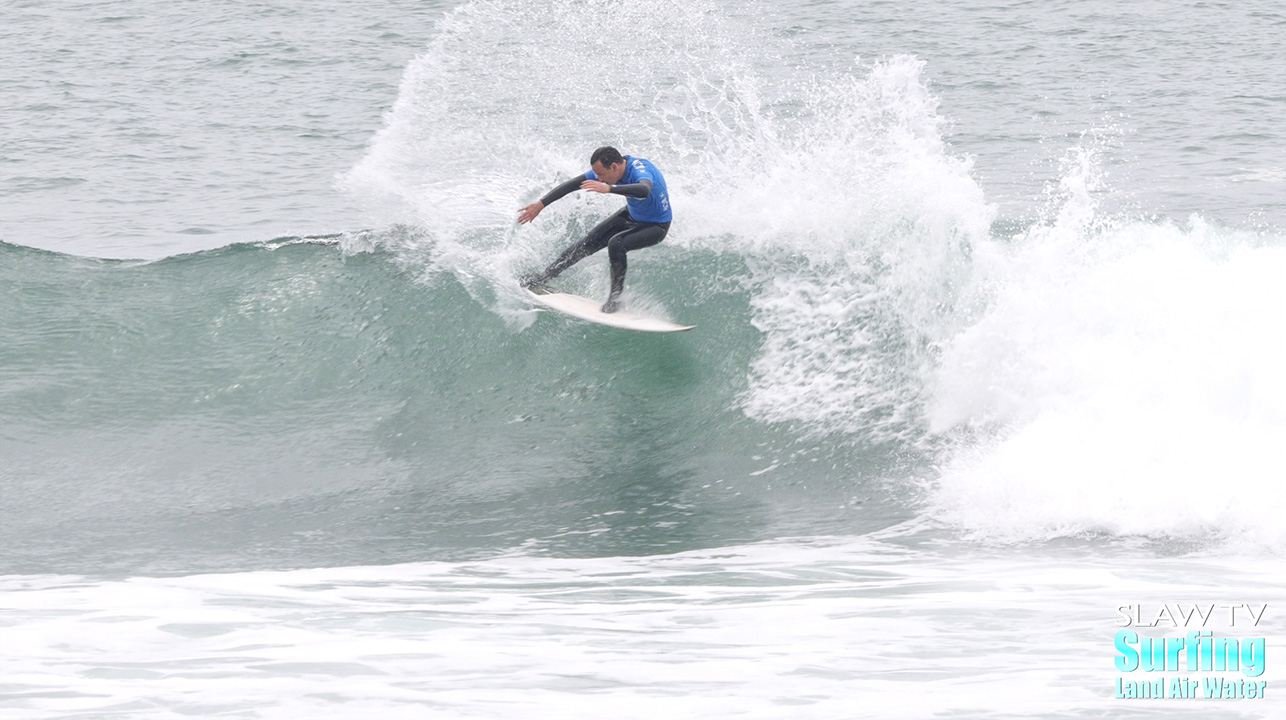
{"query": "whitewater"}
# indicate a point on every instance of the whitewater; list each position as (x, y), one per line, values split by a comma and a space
(989, 347)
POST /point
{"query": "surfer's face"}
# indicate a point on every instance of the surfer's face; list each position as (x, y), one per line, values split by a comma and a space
(610, 173)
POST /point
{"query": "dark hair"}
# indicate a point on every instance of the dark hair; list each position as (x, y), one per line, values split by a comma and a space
(609, 156)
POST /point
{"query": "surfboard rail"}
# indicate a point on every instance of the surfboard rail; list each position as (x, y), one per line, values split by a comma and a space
(583, 308)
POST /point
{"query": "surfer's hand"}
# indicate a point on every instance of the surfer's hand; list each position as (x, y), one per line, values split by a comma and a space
(529, 213)
(596, 186)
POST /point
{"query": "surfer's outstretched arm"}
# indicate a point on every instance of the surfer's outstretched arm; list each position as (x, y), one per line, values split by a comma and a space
(529, 213)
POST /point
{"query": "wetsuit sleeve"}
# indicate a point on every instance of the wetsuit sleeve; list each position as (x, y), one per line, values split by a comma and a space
(562, 190)
(640, 189)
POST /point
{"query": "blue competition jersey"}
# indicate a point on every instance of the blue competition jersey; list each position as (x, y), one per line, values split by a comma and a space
(653, 208)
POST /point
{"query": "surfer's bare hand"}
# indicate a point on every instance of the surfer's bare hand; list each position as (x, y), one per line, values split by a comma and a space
(529, 213)
(596, 186)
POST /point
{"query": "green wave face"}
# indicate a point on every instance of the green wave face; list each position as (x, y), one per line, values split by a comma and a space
(255, 405)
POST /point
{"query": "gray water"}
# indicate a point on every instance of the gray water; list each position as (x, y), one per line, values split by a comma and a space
(139, 131)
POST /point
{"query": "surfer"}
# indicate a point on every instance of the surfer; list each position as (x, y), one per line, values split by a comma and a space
(643, 222)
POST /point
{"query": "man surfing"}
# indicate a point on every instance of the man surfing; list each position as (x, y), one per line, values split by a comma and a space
(643, 222)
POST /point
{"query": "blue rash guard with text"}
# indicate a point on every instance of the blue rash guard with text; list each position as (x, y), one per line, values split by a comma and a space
(655, 208)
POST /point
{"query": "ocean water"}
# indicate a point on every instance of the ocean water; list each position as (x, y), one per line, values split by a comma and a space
(988, 365)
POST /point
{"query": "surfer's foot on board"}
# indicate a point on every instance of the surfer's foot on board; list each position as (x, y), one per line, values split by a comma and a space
(612, 305)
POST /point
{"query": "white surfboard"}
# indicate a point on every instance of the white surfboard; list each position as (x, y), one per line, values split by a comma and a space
(591, 310)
